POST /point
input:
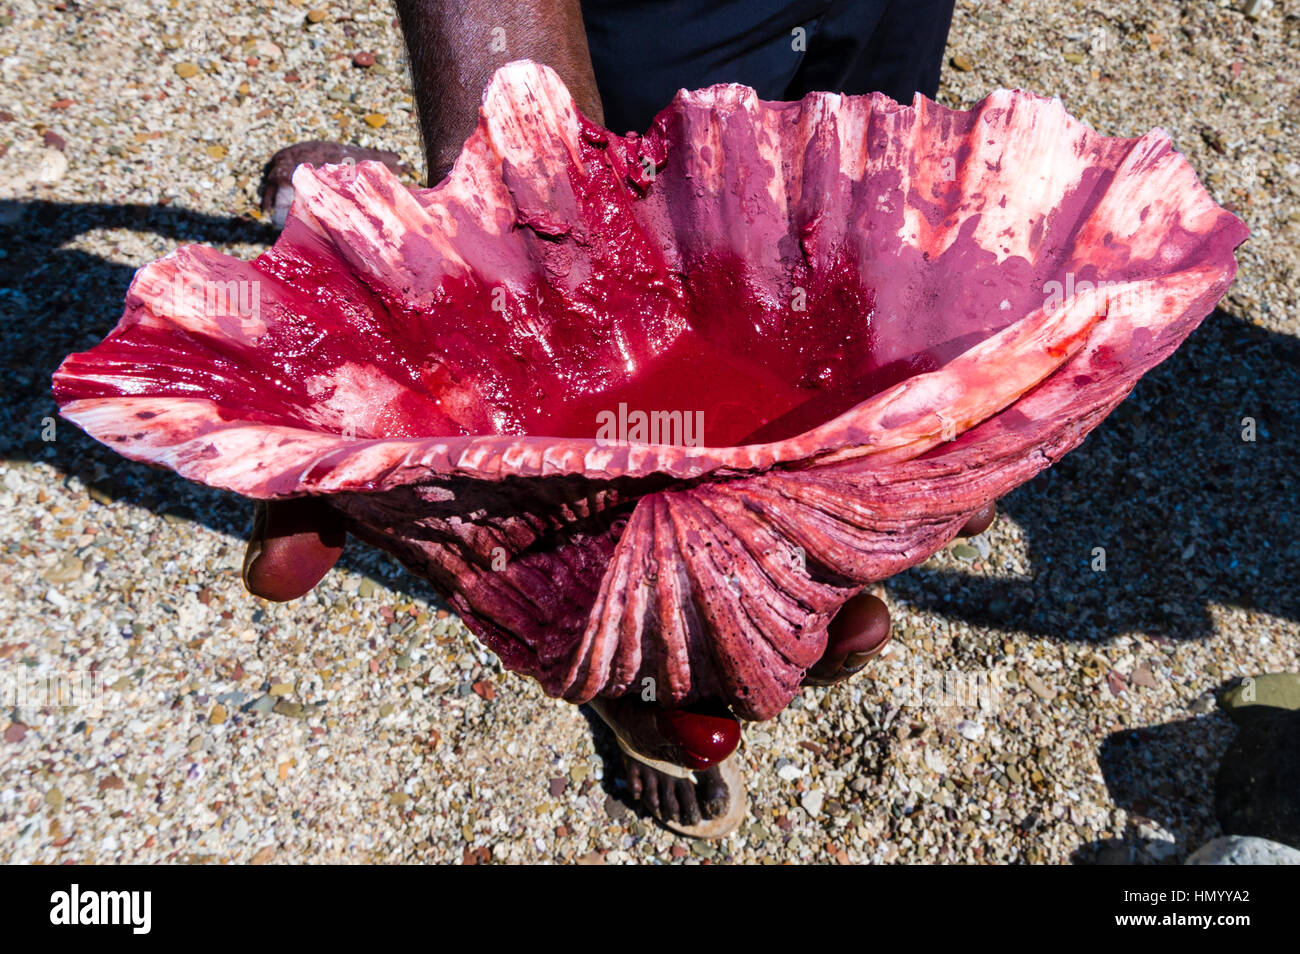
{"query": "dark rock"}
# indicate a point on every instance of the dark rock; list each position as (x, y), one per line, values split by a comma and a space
(1258, 787)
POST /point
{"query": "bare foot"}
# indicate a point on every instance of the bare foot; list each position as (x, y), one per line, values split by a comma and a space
(695, 740)
(277, 177)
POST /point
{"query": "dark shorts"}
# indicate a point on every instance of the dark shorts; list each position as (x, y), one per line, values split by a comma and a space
(644, 51)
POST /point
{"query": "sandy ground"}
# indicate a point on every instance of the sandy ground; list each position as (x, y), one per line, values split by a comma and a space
(363, 723)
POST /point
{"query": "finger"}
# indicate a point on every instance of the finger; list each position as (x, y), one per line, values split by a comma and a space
(980, 520)
(293, 545)
(858, 632)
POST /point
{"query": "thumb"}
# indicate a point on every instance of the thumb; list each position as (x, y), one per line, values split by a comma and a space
(293, 545)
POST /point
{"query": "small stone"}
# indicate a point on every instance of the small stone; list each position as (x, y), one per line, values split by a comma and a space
(364, 60)
(962, 62)
(1075, 58)
(263, 705)
(54, 799)
(965, 552)
(579, 772)
(970, 731)
(263, 856)
(1013, 774)
(218, 715)
(280, 689)
(1039, 688)
(316, 16)
(216, 152)
(53, 140)
(485, 690)
(375, 120)
(16, 732)
(616, 810)
(68, 569)
(385, 710)
(1254, 9)
(187, 70)
(367, 588)
(294, 710)
(1143, 676)
(811, 801)
(111, 783)
(557, 786)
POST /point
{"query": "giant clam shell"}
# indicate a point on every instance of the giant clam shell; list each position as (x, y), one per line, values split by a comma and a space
(887, 316)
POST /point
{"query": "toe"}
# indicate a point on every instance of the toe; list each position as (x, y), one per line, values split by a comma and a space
(687, 806)
(634, 785)
(668, 799)
(650, 791)
(712, 792)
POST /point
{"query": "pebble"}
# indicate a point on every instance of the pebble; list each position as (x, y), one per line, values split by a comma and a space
(1142, 676)
(811, 801)
(962, 62)
(263, 705)
(364, 60)
(1039, 688)
(187, 70)
(790, 772)
(375, 120)
(316, 16)
(970, 731)
(68, 569)
(218, 715)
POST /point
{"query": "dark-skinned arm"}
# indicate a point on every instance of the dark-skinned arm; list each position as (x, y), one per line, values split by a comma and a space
(455, 46)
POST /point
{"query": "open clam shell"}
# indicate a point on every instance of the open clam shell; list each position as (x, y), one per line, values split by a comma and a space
(654, 407)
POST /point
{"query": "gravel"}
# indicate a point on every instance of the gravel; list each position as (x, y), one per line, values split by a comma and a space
(363, 723)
